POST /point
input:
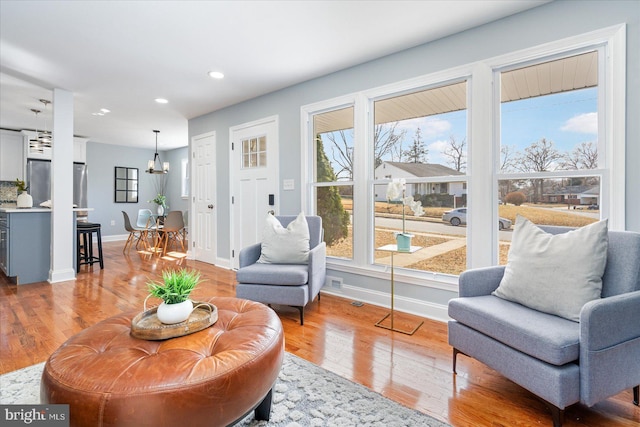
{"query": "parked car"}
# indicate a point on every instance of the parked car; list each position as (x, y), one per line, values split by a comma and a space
(458, 216)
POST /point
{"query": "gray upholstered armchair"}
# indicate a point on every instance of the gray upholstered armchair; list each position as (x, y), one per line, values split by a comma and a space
(286, 284)
(561, 361)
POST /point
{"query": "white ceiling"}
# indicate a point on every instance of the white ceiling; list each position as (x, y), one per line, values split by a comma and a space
(121, 55)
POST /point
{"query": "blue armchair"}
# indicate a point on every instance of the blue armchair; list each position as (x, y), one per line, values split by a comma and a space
(286, 284)
(561, 361)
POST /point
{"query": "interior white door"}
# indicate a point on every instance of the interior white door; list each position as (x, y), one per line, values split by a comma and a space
(203, 190)
(254, 169)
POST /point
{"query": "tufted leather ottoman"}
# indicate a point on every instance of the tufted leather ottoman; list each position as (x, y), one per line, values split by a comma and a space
(210, 378)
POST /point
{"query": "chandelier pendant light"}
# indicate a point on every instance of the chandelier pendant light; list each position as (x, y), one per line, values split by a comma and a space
(36, 144)
(45, 137)
(156, 166)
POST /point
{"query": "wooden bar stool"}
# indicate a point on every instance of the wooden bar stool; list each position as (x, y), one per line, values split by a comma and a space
(84, 244)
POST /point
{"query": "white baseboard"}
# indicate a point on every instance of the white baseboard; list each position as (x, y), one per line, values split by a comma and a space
(61, 275)
(407, 305)
(223, 263)
(115, 237)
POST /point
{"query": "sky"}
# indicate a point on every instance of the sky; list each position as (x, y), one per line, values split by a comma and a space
(567, 119)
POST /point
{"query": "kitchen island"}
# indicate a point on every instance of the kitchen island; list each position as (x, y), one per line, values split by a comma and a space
(25, 243)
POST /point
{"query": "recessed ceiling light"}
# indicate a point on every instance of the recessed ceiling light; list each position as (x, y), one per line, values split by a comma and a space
(102, 112)
(161, 101)
(216, 75)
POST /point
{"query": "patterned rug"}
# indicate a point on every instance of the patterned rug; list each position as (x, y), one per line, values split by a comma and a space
(304, 395)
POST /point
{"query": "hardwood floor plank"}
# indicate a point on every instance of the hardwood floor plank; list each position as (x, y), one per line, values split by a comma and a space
(415, 371)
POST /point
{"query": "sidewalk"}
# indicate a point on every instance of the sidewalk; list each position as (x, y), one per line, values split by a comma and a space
(404, 259)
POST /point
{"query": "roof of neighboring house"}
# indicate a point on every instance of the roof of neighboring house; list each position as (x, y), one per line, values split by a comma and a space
(424, 169)
(575, 189)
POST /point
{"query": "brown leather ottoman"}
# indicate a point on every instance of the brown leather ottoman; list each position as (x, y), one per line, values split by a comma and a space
(210, 378)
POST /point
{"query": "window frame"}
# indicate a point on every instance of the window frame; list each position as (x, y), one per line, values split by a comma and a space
(482, 157)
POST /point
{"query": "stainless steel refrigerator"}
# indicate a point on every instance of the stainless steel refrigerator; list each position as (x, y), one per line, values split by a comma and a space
(39, 182)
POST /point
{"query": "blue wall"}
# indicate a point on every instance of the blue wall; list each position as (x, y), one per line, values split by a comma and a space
(101, 161)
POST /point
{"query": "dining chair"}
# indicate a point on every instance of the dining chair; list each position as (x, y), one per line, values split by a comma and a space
(172, 229)
(135, 233)
(144, 216)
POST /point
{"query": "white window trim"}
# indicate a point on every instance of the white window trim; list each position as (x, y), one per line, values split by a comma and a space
(611, 124)
(306, 135)
(483, 107)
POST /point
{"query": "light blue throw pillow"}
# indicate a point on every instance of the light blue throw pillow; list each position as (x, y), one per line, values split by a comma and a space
(555, 274)
(285, 245)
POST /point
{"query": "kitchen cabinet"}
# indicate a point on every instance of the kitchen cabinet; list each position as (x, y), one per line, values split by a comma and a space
(25, 242)
(79, 150)
(4, 243)
(12, 158)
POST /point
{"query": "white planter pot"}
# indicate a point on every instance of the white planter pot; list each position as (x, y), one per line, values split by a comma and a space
(160, 210)
(174, 313)
(24, 200)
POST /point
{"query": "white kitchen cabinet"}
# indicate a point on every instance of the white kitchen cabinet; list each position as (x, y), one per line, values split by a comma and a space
(12, 163)
(79, 150)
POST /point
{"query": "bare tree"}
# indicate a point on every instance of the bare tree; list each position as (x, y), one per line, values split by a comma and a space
(583, 156)
(342, 152)
(417, 152)
(540, 156)
(508, 155)
(456, 153)
(385, 138)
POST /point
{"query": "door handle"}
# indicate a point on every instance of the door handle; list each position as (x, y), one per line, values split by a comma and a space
(210, 206)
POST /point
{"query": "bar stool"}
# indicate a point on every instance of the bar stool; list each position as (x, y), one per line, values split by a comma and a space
(84, 245)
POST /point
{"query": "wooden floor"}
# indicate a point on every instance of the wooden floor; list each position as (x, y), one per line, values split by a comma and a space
(414, 370)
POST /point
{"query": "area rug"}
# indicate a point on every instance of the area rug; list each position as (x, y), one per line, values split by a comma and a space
(304, 395)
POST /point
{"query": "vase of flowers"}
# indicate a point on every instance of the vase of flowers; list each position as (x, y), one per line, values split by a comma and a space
(396, 191)
(174, 291)
(161, 201)
(24, 199)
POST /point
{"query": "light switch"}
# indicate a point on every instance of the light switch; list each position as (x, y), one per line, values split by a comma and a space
(288, 184)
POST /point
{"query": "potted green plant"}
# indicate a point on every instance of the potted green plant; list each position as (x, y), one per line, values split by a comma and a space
(174, 291)
(24, 199)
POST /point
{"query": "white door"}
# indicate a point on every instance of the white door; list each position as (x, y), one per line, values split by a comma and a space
(203, 190)
(254, 181)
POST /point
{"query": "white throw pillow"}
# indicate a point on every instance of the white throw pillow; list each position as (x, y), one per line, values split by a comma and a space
(285, 245)
(556, 274)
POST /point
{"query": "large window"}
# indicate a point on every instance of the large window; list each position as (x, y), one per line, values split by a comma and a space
(333, 152)
(537, 133)
(551, 156)
(421, 137)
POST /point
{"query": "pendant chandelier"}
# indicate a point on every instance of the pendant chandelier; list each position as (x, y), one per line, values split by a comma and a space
(42, 139)
(45, 136)
(155, 166)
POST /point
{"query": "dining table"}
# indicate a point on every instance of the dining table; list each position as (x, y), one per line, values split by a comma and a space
(154, 227)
